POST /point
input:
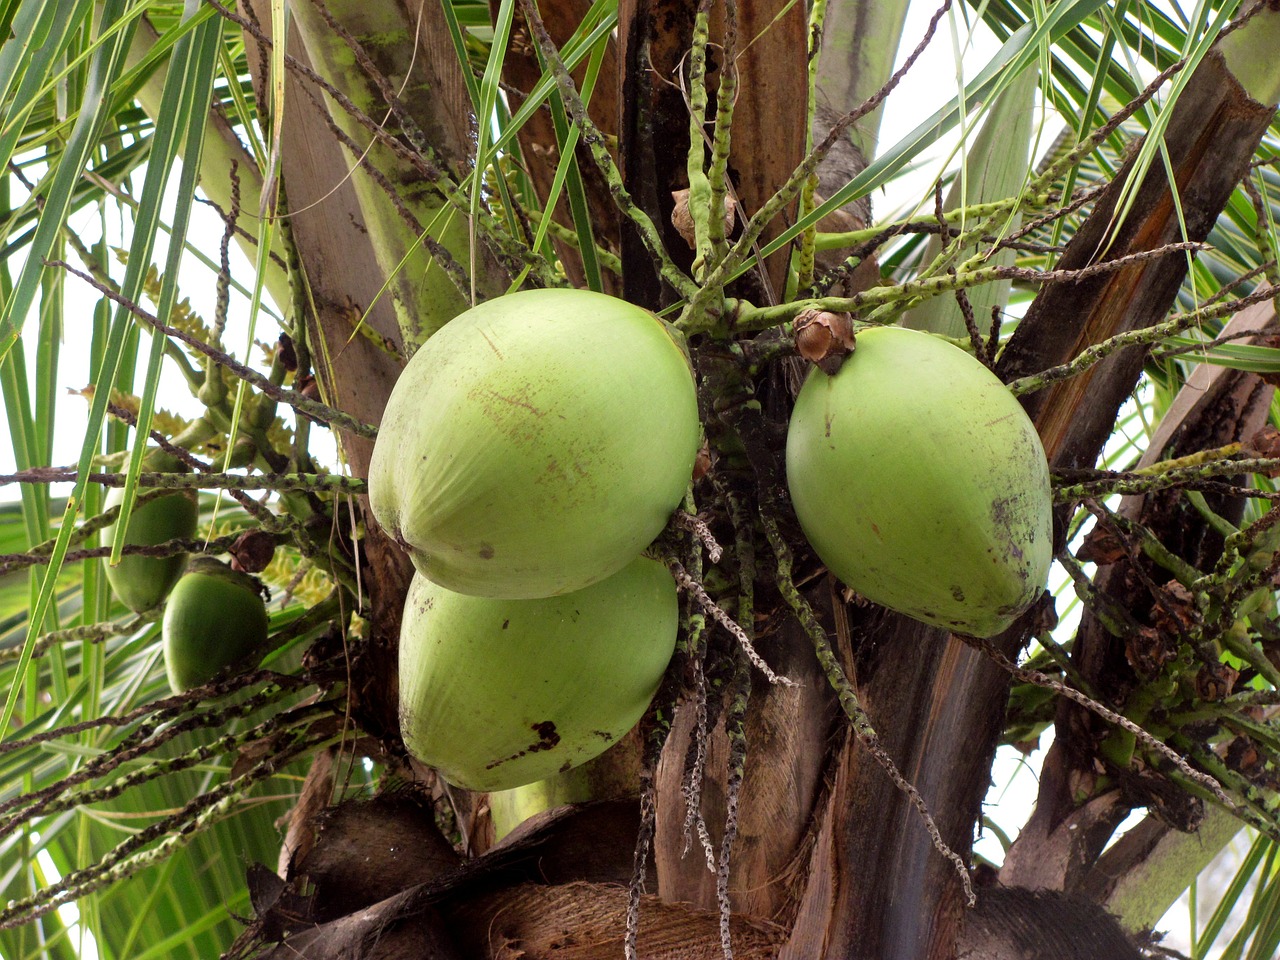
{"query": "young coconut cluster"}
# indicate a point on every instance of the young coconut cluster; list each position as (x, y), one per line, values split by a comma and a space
(921, 483)
(529, 452)
(214, 617)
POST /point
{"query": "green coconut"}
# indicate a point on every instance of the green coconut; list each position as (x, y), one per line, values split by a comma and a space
(496, 694)
(141, 583)
(922, 484)
(536, 444)
(215, 619)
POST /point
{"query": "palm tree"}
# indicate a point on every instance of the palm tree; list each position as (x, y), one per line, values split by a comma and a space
(386, 166)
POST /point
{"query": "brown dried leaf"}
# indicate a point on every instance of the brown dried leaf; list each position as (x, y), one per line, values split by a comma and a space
(824, 338)
(1175, 611)
(702, 463)
(299, 837)
(1101, 546)
(252, 551)
(1216, 681)
(1245, 758)
(1148, 650)
(1264, 444)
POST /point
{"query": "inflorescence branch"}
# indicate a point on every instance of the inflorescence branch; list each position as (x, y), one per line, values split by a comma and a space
(312, 408)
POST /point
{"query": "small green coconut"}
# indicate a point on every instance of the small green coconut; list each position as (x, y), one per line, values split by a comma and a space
(142, 583)
(922, 484)
(496, 694)
(215, 619)
(536, 444)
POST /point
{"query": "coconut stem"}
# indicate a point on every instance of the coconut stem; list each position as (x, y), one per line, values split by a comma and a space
(696, 645)
(1129, 483)
(1024, 675)
(687, 583)
(63, 798)
(808, 239)
(735, 718)
(699, 186)
(720, 214)
(90, 632)
(697, 315)
(743, 316)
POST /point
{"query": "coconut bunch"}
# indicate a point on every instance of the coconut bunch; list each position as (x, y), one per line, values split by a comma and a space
(529, 452)
(537, 444)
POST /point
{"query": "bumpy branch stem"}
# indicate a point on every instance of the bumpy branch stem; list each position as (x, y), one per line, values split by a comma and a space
(736, 715)
(169, 548)
(1134, 483)
(282, 525)
(1256, 806)
(129, 857)
(703, 533)
(722, 138)
(687, 583)
(699, 185)
(65, 798)
(848, 698)
(1142, 736)
(694, 319)
(43, 550)
(696, 645)
(739, 690)
(1147, 335)
(259, 511)
(748, 317)
(202, 481)
(165, 709)
(91, 632)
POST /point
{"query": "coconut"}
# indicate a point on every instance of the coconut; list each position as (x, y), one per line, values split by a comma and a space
(142, 583)
(921, 483)
(536, 444)
(215, 619)
(496, 694)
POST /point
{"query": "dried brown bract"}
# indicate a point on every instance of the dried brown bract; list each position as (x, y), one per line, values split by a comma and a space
(682, 219)
(824, 338)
